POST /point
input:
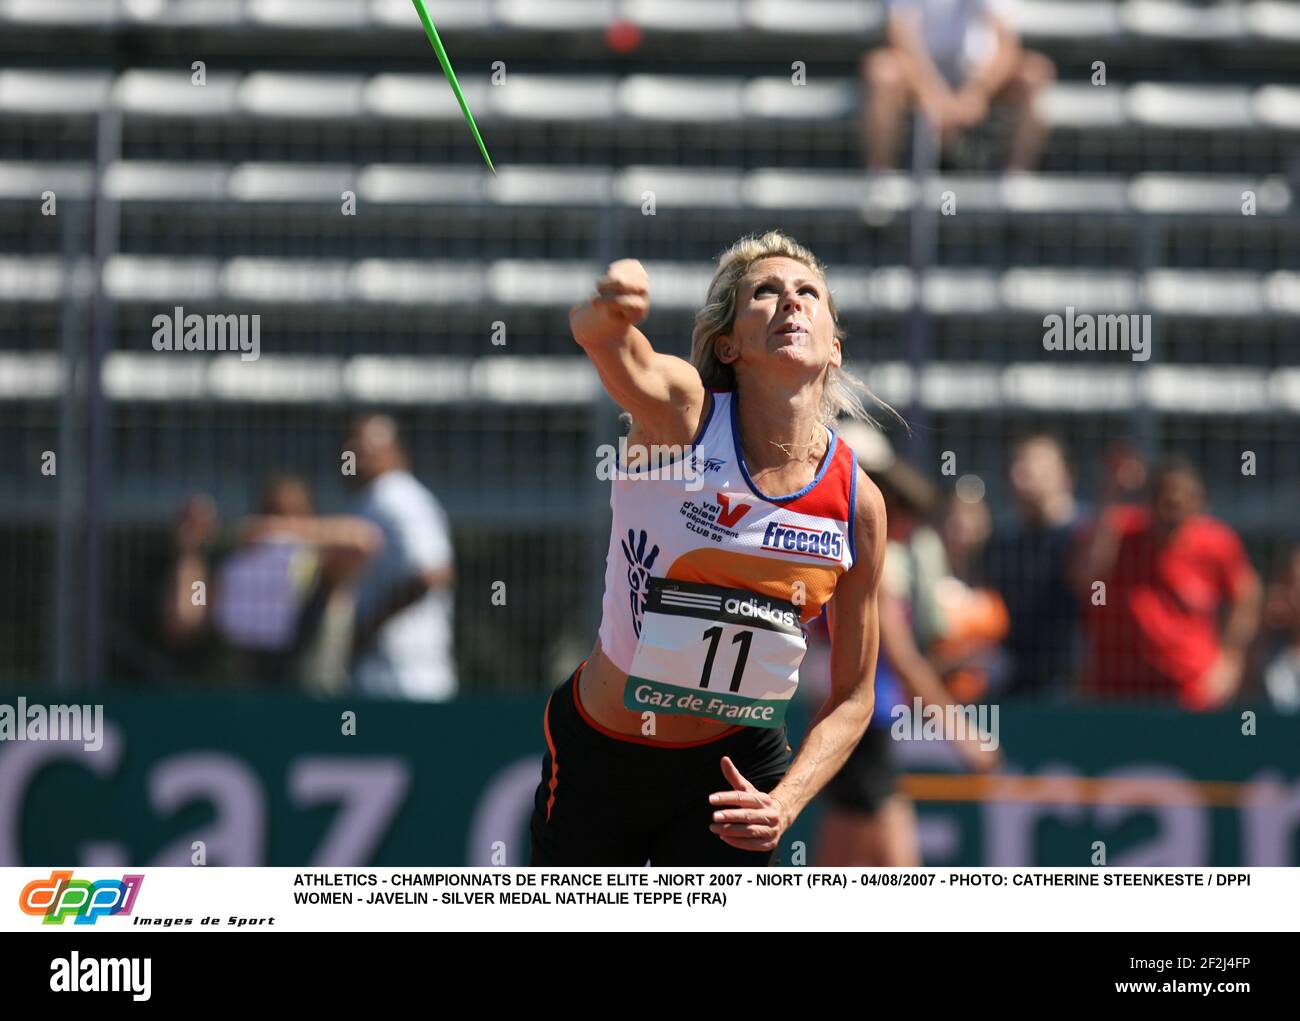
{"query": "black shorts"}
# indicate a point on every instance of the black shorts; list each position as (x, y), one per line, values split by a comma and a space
(868, 777)
(609, 799)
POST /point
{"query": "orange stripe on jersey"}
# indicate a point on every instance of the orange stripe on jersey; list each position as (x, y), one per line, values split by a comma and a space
(768, 576)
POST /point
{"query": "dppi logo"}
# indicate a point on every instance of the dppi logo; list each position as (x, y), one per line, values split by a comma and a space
(60, 896)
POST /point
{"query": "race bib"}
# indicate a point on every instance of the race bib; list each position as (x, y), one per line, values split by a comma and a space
(728, 654)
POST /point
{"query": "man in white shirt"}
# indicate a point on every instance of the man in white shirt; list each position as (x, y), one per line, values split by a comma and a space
(403, 644)
(952, 59)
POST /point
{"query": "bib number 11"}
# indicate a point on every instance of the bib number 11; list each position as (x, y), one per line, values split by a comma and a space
(714, 636)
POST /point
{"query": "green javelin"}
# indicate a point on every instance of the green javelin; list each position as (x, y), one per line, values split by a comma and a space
(451, 78)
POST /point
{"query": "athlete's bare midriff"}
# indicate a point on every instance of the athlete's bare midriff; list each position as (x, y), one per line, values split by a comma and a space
(600, 688)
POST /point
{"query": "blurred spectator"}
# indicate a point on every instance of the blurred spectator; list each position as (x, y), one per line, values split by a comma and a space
(196, 526)
(965, 527)
(403, 644)
(274, 594)
(1169, 571)
(968, 654)
(868, 821)
(1282, 663)
(1028, 563)
(187, 651)
(952, 59)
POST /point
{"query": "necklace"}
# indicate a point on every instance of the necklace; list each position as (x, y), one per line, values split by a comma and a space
(785, 447)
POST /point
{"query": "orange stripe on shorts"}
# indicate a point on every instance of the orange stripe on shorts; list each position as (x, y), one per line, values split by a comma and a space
(555, 762)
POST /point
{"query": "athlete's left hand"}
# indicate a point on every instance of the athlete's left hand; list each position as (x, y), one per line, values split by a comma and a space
(747, 818)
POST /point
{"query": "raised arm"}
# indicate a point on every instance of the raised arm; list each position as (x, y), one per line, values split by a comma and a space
(341, 532)
(663, 393)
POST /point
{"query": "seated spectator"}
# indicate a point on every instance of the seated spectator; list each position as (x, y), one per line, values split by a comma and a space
(952, 59)
(1169, 571)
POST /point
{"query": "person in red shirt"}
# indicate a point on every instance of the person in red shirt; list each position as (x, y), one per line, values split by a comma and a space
(1180, 603)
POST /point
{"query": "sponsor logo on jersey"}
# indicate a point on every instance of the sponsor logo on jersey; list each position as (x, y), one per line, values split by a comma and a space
(731, 513)
(703, 465)
(690, 600)
(639, 563)
(819, 543)
(754, 608)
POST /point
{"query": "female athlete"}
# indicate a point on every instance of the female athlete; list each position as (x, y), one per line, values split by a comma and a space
(668, 746)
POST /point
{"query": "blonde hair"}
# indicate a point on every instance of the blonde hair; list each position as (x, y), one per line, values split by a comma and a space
(842, 392)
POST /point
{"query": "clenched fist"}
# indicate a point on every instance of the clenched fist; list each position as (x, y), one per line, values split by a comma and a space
(622, 299)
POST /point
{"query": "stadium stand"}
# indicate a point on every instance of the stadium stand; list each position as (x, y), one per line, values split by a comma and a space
(227, 196)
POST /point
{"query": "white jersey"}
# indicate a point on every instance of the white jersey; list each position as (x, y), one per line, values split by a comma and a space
(708, 583)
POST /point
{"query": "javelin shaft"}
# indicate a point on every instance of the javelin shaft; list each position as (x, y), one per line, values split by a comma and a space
(432, 33)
